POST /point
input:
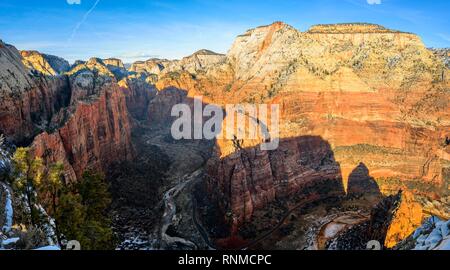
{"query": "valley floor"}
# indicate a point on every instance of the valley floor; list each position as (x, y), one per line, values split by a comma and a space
(156, 194)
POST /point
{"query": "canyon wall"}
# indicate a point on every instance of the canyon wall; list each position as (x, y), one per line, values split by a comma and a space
(377, 96)
(248, 178)
(96, 134)
(46, 64)
(28, 99)
(80, 119)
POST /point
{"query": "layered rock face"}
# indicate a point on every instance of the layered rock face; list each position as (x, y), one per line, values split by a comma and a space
(82, 118)
(28, 100)
(96, 133)
(152, 66)
(114, 62)
(198, 61)
(138, 92)
(363, 108)
(117, 67)
(376, 95)
(94, 64)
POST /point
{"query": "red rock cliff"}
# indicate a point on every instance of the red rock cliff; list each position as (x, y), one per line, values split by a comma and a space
(95, 131)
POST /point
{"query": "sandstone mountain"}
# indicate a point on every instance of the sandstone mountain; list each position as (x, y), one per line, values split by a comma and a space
(200, 60)
(153, 66)
(378, 96)
(81, 118)
(46, 64)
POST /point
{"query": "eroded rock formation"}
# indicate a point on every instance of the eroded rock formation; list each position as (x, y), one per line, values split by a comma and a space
(350, 95)
(28, 100)
(95, 135)
(80, 119)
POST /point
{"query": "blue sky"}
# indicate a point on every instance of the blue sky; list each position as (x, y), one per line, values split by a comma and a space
(141, 29)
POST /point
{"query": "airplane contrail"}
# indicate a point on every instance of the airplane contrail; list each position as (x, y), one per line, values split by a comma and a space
(80, 23)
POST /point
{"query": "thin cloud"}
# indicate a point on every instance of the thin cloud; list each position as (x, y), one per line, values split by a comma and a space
(80, 23)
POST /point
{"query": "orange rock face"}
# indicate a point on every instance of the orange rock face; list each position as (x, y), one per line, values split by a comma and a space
(377, 96)
(138, 95)
(349, 94)
(407, 218)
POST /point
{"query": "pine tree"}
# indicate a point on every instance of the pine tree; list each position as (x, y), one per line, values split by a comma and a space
(95, 194)
(70, 218)
(96, 199)
(79, 210)
(28, 173)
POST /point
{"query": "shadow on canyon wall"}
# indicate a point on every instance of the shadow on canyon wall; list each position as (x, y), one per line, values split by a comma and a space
(300, 172)
(360, 182)
(236, 188)
(257, 191)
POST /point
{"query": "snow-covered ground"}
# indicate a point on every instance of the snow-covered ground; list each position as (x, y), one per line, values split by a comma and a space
(8, 210)
(434, 234)
(49, 226)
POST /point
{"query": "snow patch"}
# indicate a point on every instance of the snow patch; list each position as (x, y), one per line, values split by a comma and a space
(333, 229)
(54, 248)
(434, 234)
(8, 210)
(49, 226)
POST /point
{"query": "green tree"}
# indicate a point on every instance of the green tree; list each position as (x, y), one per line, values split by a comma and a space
(50, 189)
(81, 213)
(79, 210)
(96, 200)
(70, 218)
(28, 173)
(95, 195)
